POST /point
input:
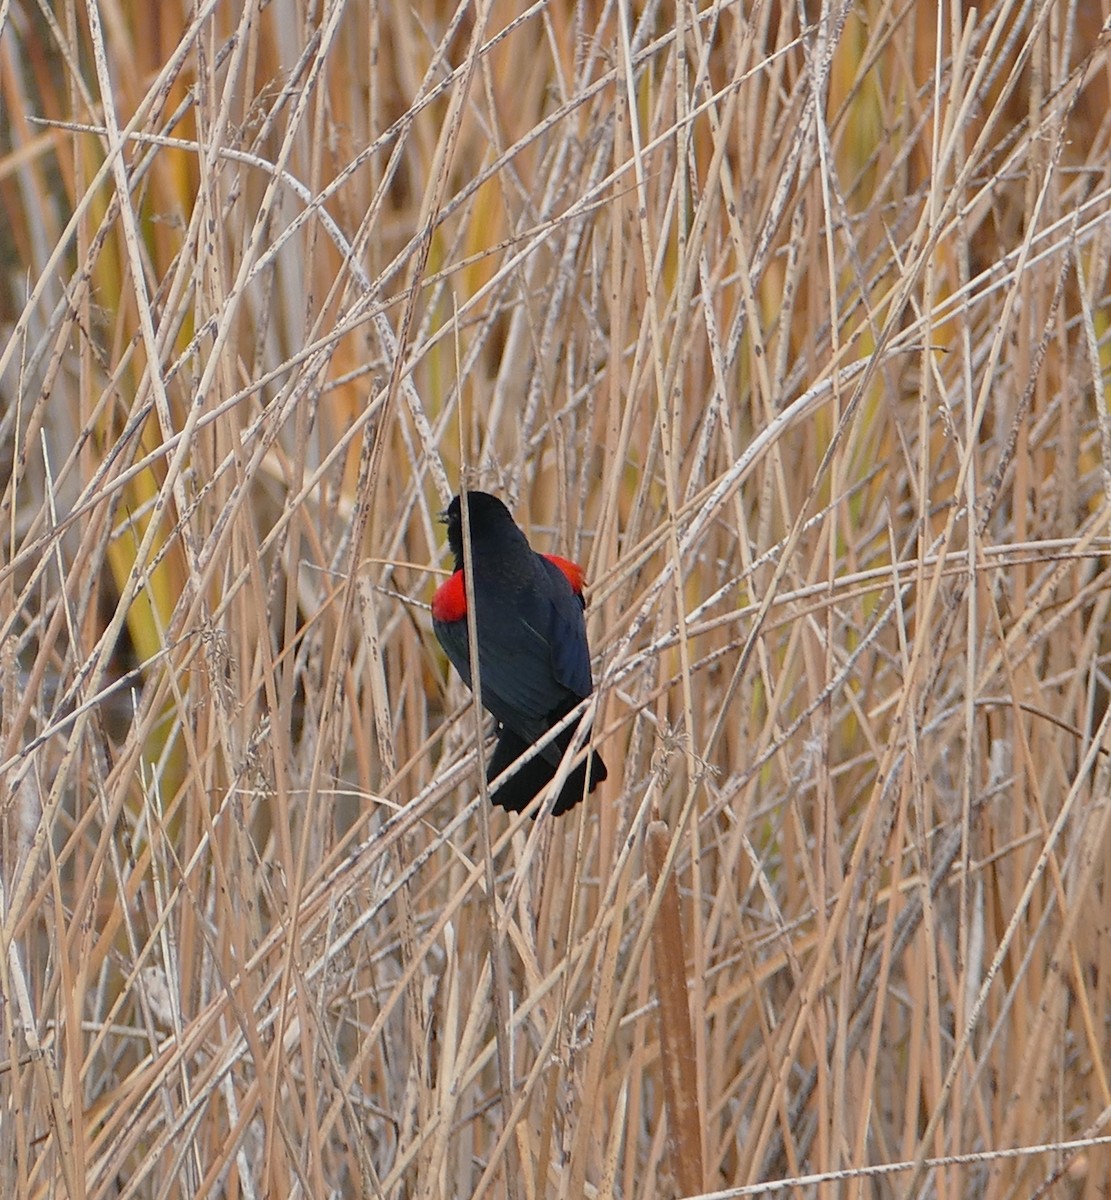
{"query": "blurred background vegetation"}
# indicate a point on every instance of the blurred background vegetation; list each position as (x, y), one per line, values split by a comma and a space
(791, 323)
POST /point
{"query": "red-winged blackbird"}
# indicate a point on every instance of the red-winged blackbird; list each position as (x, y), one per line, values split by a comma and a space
(533, 657)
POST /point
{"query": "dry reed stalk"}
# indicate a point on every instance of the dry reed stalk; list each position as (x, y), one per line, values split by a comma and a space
(677, 1054)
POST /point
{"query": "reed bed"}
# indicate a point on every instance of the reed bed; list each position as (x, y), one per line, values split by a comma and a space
(791, 323)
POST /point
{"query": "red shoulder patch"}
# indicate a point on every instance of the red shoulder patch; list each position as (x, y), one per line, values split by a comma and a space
(572, 570)
(450, 601)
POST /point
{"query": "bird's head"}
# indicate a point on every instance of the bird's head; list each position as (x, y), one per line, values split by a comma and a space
(487, 514)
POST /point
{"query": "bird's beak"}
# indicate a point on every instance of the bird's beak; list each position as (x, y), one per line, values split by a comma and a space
(441, 516)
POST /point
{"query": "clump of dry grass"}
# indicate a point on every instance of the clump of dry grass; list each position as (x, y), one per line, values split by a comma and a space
(791, 323)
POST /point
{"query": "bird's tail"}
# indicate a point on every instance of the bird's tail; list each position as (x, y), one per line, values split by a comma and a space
(517, 792)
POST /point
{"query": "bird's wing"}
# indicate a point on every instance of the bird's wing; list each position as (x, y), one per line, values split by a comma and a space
(452, 635)
(516, 679)
(566, 634)
(534, 655)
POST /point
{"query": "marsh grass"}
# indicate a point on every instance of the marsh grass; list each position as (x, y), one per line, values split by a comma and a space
(791, 324)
